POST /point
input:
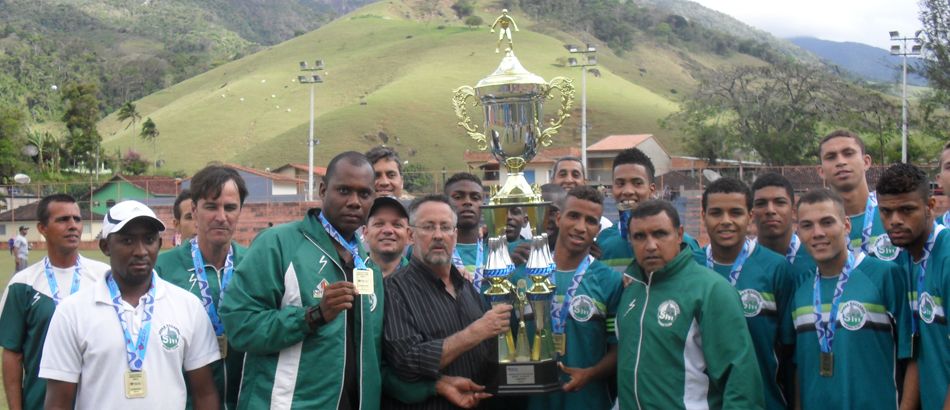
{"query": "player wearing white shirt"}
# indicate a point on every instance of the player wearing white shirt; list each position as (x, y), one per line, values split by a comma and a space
(124, 342)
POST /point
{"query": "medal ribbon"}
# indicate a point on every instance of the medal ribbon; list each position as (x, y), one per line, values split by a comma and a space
(736, 268)
(479, 260)
(559, 313)
(869, 210)
(928, 248)
(946, 219)
(826, 330)
(352, 247)
(202, 277)
(793, 247)
(54, 286)
(136, 351)
(624, 223)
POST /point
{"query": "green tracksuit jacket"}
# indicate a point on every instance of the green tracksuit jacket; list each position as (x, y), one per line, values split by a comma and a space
(177, 267)
(287, 366)
(684, 342)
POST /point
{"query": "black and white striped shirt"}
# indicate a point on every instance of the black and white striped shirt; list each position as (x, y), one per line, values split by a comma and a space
(420, 315)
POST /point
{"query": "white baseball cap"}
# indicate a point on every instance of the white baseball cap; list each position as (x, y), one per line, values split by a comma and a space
(121, 213)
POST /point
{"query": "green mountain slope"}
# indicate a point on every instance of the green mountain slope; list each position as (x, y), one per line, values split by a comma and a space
(252, 111)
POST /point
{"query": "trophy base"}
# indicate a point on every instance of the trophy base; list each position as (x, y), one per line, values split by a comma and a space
(526, 378)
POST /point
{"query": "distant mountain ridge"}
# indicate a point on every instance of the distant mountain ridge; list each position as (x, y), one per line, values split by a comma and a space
(866, 62)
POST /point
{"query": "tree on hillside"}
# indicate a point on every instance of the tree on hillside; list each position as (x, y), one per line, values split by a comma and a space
(128, 112)
(935, 16)
(771, 112)
(473, 21)
(12, 125)
(82, 112)
(150, 133)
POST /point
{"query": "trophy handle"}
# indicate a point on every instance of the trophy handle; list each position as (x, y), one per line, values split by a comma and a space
(566, 87)
(459, 100)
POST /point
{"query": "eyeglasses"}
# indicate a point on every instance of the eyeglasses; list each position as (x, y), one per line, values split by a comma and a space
(430, 229)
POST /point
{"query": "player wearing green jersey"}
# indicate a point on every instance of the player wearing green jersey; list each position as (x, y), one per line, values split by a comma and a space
(763, 278)
(633, 182)
(849, 319)
(844, 162)
(684, 342)
(33, 294)
(204, 264)
(773, 210)
(907, 210)
(584, 308)
(465, 192)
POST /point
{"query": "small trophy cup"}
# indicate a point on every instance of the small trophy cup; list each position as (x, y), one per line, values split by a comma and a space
(512, 99)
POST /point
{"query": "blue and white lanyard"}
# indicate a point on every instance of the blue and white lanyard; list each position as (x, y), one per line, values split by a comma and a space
(869, 211)
(54, 286)
(136, 351)
(559, 312)
(736, 268)
(826, 330)
(922, 275)
(202, 277)
(624, 223)
(351, 247)
(793, 247)
(946, 219)
(479, 256)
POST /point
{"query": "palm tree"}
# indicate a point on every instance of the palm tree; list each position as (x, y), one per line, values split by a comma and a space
(150, 133)
(128, 112)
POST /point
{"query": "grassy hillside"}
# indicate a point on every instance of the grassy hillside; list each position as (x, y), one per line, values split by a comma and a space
(252, 111)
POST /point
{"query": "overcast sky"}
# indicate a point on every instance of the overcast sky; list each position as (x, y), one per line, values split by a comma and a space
(862, 21)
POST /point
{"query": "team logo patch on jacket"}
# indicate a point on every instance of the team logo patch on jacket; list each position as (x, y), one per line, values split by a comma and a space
(751, 302)
(170, 337)
(582, 308)
(853, 315)
(667, 313)
(318, 291)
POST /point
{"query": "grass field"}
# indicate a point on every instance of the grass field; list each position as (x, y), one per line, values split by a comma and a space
(6, 272)
(253, 112)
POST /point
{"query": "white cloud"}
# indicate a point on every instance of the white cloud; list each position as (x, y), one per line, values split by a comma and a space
(865, 21)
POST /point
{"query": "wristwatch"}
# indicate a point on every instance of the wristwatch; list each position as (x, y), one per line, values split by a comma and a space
(315, 317)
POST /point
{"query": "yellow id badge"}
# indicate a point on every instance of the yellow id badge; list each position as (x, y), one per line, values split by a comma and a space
(135, 386)
(363, 279)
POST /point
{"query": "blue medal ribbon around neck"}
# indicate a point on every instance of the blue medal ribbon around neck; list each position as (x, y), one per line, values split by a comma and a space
(479, 259)
(826, 330)
(559, 311)
(54, 286)
(136, 351)
(946, 219)
(202, 279)
(624, 223)
(869, 210)
(793, 247)
(736, 268)
(351, 247)
(922, 273)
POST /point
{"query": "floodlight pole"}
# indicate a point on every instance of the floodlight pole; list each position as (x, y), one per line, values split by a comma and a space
(901, 49)
(587, 51)
(312, 80)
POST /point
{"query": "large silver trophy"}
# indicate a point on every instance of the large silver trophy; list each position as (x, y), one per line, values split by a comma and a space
(512, 99)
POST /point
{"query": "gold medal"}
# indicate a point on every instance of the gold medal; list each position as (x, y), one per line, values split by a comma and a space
(223, 345)
(135, 387)
(560, 343)
(363, 279)
(826, 366)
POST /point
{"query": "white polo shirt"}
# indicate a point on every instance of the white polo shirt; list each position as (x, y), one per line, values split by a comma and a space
(85, 345)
